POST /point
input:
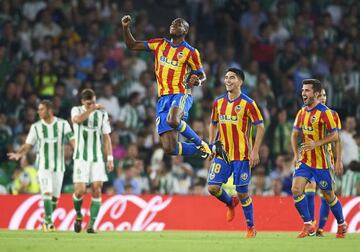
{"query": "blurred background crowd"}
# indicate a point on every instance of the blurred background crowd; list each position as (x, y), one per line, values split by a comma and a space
(54, 49)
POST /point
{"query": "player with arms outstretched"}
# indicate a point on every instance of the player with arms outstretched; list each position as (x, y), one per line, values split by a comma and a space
(232, 116)
(174, 60)
(318, 127)
(50, 134)
(336, 166)
(92, 145)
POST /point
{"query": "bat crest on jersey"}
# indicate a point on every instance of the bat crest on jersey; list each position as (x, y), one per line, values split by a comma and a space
(313, 119)
(180, 55)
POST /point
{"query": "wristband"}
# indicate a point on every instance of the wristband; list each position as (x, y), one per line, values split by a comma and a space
(110, 158)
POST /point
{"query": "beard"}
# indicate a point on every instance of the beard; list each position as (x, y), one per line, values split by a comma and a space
(310, 101)
(176, 36)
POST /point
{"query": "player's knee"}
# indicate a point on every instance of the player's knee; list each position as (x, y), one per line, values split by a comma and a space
(243, 196)
(296, 191)
(173, 121)
(214, 189)
(78, 192)
(96, 192)
(78, 195)
(328, 196)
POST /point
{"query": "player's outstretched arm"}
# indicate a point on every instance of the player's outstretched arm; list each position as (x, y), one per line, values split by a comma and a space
(20, 153)
(254, 155)
(130, 41)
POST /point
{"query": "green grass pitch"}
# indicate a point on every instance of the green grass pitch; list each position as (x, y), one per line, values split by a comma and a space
(171, 241)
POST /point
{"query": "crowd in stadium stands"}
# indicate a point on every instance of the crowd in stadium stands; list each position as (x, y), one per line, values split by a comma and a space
(54, 49)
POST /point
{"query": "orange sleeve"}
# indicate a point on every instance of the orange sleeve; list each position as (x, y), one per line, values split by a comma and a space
(152, 44)
(297, 124)
(195, 62)
(214, 113)
(329, 121)
(254, 113)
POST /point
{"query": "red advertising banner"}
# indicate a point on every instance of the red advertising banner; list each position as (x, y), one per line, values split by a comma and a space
(156, 213)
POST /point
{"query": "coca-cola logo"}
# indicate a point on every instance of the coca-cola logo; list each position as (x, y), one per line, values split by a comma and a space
(29, 214)
(351, 211)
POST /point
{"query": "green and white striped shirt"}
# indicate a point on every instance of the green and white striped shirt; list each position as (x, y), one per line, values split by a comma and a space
(349, 183)
(88, 135)
(50, 139)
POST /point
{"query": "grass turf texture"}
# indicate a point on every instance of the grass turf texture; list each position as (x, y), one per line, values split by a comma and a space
(171, 241)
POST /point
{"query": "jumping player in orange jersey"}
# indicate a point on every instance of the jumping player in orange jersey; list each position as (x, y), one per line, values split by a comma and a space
(174, 60)
(336, 166)
(317, 125)
(232, 115)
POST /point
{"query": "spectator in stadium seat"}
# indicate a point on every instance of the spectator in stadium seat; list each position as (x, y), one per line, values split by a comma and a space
(5, 137)
(99, 78)
(183, 172)
(30, 9)
(276, 186)
(141, 176)
(119, 151)
(126, 177)
(45, 80)
(350, 151)
(44, 50)
(83, 60)
(46, 27)
(199, 187)
(72, 84)
(129, 119)
(350, 183)
(26, 178)
(167, 182)
(110, 102)
(280, 134)
(258, 181)
(252, 19)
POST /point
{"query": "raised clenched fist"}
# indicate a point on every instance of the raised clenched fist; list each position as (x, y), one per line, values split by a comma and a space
(126, 20)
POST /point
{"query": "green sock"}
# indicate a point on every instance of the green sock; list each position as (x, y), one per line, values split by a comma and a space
(77, 205)
(94, 210)
(48, 209)
(53, 203)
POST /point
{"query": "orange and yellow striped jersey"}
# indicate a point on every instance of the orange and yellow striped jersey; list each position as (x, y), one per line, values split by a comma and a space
(314, 125)
(234, 120)
(172, 63)
(338, 126)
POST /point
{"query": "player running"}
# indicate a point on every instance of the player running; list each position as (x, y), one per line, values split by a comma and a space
(336, 166)
(232, 116)
(318, 127)
(50, 134)
(177, 68)
(92, 129)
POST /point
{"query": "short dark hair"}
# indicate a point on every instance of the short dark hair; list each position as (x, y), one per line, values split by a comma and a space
(239, 73)
(47, 103)
(87, 94)
(316, 84)
(184, 22)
